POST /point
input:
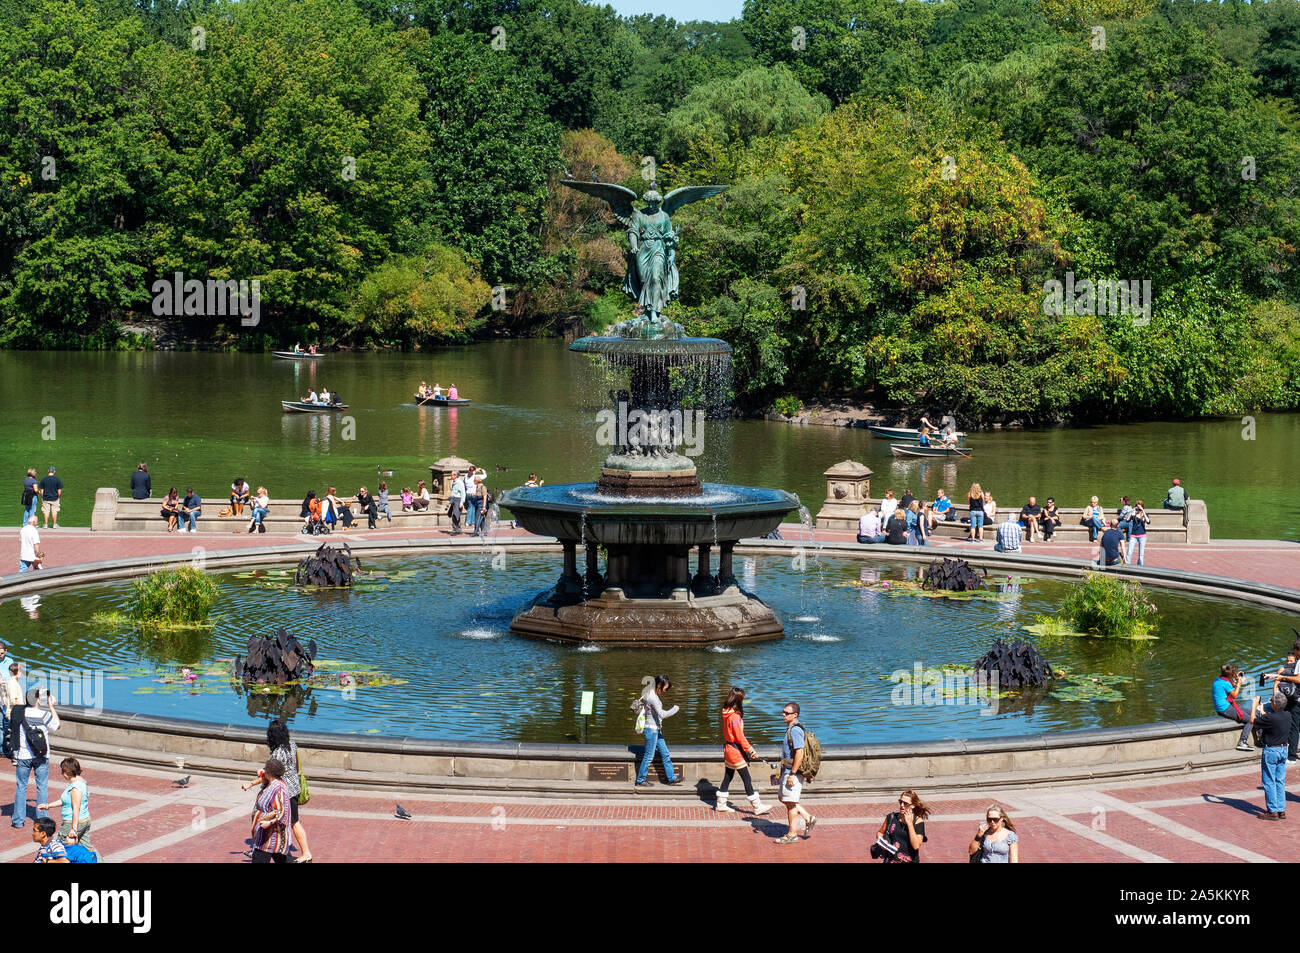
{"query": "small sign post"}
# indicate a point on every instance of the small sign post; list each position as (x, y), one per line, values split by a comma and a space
(588, 702)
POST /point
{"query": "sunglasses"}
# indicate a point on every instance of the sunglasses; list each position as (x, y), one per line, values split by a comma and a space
(992, 820)
(904, 803)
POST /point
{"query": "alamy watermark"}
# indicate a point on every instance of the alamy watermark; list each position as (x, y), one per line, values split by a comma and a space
(650, 428)
(81, 687)
(1107, 296)
(214, 297)
(945, 686)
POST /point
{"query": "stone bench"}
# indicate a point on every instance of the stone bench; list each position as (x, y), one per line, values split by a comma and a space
(112, 512)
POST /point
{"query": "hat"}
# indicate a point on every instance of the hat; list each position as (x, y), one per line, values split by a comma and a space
(1176, 483)
(52, 470)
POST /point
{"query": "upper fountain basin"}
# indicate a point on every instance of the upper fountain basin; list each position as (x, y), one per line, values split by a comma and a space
(577, 511)
(664, 347)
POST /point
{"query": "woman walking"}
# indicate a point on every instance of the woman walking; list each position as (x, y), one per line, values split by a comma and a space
(975, 500)
(285, 751)
(996, 841)
(271, 816)
(74, 806)
(654, 731)
(902, 832)
(1137, 535)
(737, 752)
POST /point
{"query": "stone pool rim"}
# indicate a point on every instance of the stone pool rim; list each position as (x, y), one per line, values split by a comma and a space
(1157, 747)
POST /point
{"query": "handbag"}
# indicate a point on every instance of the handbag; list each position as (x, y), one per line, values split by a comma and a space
(303, 794)
(978, 856)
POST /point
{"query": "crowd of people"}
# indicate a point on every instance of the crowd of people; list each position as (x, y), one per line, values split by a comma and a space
(909, 521)
(901, 833)
(1274, 725)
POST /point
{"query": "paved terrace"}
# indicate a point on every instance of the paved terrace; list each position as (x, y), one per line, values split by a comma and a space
(140, 816)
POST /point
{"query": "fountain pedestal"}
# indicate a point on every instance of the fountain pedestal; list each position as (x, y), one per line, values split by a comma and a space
(649, 513)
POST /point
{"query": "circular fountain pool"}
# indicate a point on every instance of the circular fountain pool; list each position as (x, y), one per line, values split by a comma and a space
(433, 633)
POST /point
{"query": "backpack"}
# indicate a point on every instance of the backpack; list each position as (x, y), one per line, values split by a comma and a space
(80, 854)
(812, 753)
(29, 494)
(36, 741)
(1290, 690)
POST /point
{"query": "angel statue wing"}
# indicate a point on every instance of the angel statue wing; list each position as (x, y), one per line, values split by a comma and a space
(689, 193)
(620, 199)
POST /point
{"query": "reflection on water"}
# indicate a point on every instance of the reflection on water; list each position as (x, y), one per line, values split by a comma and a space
(442, 626)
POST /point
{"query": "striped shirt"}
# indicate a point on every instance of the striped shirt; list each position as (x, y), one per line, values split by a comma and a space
(272, 803)
(1009, 536)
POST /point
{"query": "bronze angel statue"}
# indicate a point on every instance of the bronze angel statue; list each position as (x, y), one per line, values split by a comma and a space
(651, 278)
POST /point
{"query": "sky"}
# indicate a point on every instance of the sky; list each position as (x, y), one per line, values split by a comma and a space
(680, 10)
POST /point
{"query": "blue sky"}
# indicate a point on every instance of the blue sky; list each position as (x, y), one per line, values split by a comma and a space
(680, 10)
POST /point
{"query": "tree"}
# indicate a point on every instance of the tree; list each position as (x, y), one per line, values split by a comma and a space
(291, 153)
(434, 298)
(490, 150)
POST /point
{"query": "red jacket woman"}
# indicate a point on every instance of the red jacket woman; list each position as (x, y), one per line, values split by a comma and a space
(736, 753)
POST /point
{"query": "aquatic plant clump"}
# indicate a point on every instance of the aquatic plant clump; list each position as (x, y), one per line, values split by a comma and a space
(328, 567)
(1018, 665)
(1108, 607)
(952, 575)
(172, 597)
(276, 659)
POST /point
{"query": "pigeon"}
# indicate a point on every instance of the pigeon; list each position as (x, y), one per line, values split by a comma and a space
(568, 175)
(182, 782)
(403, 813)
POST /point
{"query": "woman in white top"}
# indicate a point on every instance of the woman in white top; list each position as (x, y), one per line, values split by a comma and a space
(887, 507)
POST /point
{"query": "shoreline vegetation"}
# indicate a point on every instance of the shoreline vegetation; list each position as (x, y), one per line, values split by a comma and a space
(981, 206)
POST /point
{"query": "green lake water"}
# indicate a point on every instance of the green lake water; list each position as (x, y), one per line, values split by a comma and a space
(204, 418)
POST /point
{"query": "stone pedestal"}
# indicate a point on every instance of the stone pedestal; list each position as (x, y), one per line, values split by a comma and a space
(104, 515)
(1197, 521)
(442, 475)
(848, 485)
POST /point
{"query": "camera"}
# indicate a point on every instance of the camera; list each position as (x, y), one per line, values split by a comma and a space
(1263, 679)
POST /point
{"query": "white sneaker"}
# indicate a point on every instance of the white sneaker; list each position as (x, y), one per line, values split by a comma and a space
(1245, 746)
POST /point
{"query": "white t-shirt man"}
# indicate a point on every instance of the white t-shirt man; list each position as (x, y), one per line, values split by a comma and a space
(28, 540)
(869, 524)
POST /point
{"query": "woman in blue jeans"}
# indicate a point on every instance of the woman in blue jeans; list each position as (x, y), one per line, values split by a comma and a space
(975, 500)
(654, 731)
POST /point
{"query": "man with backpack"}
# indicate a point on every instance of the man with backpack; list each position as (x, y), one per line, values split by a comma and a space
(29, 729)
(796, 768)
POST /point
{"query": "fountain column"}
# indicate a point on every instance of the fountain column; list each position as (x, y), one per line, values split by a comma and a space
(703, 584)
(726, 578)
(593, 582)
(570, 581)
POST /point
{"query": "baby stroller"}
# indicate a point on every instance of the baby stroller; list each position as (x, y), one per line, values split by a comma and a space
(315, 526)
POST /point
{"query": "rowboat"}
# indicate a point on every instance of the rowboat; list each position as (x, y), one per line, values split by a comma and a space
(441, 401)
(296, 355)
(916, 450)
(306, 407)
(901, 433)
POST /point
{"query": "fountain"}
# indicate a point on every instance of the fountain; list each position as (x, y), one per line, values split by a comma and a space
(648, 510)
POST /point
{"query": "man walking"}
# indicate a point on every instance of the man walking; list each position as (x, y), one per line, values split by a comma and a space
(1276, 725)
(457, 503)
(30, 553)
(51, 495)
(789, 784)
(30, 726)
